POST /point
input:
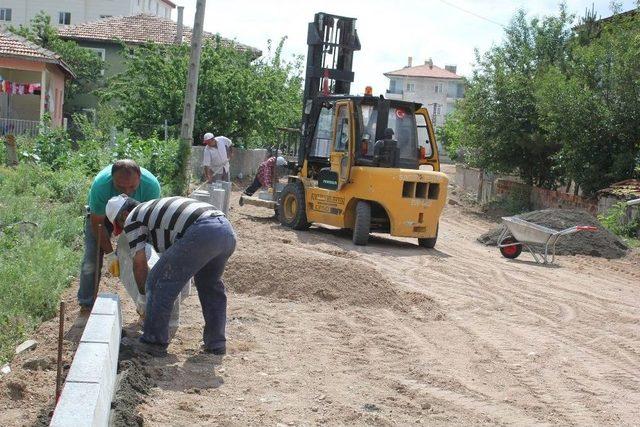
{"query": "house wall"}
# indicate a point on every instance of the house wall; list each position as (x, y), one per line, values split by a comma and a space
(28, 107)
(424, 92)
(22, 11)
(114, 64)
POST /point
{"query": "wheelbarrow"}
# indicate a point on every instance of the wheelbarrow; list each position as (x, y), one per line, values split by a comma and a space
(519, 233)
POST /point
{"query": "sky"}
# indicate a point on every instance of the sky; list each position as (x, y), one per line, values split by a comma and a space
(447, 31)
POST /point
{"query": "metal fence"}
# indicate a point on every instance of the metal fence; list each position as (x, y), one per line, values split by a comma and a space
(19, 127)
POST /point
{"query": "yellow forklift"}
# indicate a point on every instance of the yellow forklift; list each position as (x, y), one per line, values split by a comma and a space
(364, 163)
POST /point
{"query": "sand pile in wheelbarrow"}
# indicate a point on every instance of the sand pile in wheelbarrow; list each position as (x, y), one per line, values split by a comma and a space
(601, 243)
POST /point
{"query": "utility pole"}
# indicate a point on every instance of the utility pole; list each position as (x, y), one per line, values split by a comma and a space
(190, 95)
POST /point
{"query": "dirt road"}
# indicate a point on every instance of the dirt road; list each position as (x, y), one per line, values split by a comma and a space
(321, 331)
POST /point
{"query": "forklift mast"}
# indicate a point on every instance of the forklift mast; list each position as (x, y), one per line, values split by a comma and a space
(332, 40)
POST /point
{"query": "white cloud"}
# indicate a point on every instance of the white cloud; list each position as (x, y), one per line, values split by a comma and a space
(389, 32)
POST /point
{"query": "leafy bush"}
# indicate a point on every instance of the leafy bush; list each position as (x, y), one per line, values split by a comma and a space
(41, 215)
(617, 221)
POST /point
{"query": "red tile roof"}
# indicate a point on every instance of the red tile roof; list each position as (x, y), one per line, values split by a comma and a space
(424, 71)
(14, 46)
(138, 29)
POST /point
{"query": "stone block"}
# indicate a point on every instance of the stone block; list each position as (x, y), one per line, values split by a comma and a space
(27, 345)
(107, 304)
(92, 364)
(82, 404)
(104, 329)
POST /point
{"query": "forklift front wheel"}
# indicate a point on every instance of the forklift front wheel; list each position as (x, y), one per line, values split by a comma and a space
(362, 227)
(429, 242)
(291, 208)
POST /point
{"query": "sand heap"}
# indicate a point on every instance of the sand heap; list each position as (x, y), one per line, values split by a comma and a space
(306, 276)
(601, 243)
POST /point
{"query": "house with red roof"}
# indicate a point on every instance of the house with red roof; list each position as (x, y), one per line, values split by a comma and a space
(436, 88)
(73, 12)
(31, 85)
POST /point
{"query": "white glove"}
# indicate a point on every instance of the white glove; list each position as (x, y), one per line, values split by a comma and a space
(112, 263)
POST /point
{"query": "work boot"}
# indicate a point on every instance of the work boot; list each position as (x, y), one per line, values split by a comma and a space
(217, 351)
(141, 346)
(241, 201)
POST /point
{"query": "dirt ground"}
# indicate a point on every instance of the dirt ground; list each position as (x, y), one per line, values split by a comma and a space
(323, 332)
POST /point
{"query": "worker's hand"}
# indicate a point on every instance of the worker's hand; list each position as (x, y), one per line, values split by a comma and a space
(112, 263)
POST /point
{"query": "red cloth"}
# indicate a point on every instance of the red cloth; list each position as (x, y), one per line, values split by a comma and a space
(265, 171)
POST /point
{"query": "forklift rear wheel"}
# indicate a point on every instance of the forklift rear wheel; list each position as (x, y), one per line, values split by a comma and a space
(429, 242)
(362, 226)
(511, 252)
(291, 208)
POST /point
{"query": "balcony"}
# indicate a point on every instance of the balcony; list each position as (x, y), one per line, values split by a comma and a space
(19, 127)
(395, 91)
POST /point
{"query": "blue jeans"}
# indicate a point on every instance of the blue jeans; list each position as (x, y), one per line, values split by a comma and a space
(88, 267)
(201, 253)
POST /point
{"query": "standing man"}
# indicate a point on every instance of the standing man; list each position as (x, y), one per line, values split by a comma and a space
(217, 152)
(124, 176)
(194, 239)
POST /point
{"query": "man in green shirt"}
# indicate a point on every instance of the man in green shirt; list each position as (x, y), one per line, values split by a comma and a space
(124, 176)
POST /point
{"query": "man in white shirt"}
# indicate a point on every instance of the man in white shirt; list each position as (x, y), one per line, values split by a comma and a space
(217, 152)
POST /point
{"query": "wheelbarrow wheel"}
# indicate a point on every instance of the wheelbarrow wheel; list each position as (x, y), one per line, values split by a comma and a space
(511, 252)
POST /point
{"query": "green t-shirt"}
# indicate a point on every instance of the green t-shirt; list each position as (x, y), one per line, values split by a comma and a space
(102, 190)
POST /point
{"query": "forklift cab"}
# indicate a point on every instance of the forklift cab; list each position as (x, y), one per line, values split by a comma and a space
(371, 132)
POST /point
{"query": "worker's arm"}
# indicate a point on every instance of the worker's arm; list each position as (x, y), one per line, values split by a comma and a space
(105, 242)
(208, 174)
(140, 270)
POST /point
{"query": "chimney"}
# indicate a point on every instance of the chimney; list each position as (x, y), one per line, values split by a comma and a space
(429, 62)
(451, 68)
(410, 62)
(180, 25)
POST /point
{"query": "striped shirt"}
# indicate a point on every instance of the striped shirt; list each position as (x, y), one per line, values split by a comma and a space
(163, 221)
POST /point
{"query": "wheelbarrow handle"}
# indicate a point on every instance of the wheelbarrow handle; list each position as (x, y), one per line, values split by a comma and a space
(586, 228)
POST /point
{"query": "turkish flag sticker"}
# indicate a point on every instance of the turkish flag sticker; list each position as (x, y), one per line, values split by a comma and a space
(400, 114)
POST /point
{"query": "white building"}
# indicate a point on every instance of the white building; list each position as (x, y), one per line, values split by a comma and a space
(435, 88)
(72, 12)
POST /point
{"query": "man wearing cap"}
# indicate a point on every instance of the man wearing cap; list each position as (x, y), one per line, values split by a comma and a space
(194, 239)
(215, 160)
(124, 176)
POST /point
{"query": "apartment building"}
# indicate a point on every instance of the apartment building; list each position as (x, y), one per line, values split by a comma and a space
(73, 12)
(436, 88)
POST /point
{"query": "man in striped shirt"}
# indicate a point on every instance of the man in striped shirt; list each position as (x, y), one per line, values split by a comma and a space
(194, 239)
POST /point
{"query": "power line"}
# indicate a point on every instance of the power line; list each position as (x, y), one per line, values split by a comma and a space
(472, 13)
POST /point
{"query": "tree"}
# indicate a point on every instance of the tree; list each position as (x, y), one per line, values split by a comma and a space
(500, 126)
(237, 97)
(83, 62)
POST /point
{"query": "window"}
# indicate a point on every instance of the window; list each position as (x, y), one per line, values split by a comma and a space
(321, 145)
(411, 87)
(166, 13)
(100, 53)
(157, 8)
(342, 131)
(423, 135)
(64, 18)
(403, 124)
(149, 5)
(438, 109)
(5, 14)
(439, 88)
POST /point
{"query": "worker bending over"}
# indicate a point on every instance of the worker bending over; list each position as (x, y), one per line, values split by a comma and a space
(194, 239)
(265, 174)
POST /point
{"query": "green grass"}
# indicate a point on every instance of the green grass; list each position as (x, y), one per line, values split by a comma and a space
(37, 262)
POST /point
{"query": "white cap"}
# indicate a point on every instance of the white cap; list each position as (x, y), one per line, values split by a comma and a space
(207, 136)
(280, 161)
(114, 205)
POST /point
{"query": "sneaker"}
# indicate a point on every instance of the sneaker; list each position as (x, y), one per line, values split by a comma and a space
(85, 310)
(241, 201)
